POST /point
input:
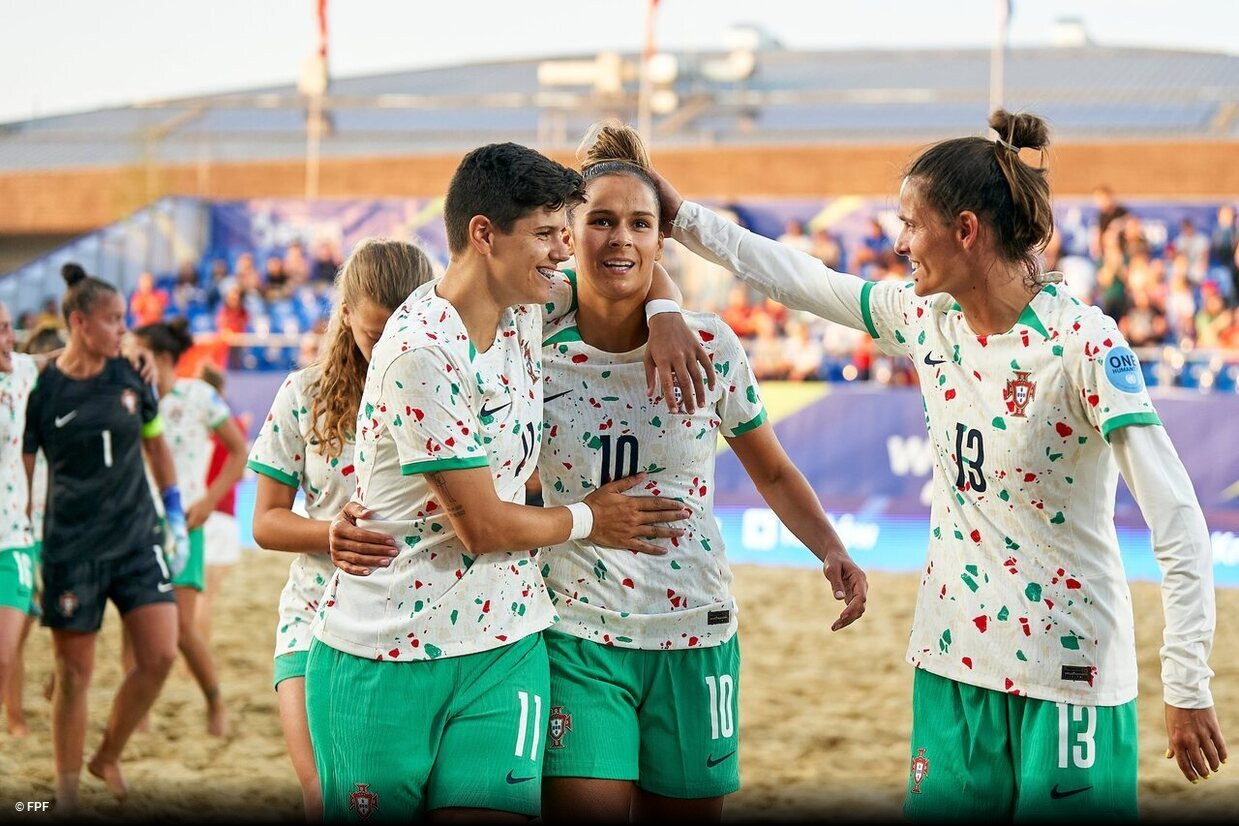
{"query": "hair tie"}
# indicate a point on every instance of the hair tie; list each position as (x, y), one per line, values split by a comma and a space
(1010, 147)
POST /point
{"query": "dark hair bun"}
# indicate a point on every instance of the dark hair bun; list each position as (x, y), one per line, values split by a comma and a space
(72, 273)
(1022, 131)
(179, 328)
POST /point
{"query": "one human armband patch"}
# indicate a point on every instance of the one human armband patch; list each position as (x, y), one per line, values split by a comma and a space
(1123, 370)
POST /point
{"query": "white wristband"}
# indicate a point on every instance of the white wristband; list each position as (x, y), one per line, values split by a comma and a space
(582, 520)
(660, 305)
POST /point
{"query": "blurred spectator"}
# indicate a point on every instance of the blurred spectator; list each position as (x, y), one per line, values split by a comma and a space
(793, 235)
(1181, 302)
(50, 315)
(326, 262)
(186, 290)
(1111, 277)
(774, 311)
(738, 314)
(1212, 319)
(767, 352)
(295, 263)
(27, 320)
(147, 304)
(232, 316)
(802, 353)
(826, 248)
(1144, 323)
(873, 247)
(1108, 209)
(218, 283)
(277, 279)
(1195, 246)
(1224, 252)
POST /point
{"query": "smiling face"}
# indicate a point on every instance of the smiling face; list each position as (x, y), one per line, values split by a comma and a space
(930, 243)
(615, 236)
(525, 259)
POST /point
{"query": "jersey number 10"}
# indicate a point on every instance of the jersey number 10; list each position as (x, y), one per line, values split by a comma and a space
(625, 458)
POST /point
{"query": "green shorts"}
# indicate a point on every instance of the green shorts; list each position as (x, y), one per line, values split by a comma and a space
(395, 740)
(36, 554)
(984, 754)
(194, 573)
(668, 720)
(16, 579)
(289, 666)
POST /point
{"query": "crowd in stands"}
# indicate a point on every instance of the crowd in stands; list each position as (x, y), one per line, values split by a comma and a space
(1180, 292)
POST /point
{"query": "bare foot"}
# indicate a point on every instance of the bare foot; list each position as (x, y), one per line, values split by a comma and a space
(64, 801)
(217, 719)
(17, 727)
(109, 772)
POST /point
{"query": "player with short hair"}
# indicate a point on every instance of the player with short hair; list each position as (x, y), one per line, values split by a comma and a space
(94, 418)
(1025, 686)
(307, 444)
(448, 433)
(192, 412)
(645, 662)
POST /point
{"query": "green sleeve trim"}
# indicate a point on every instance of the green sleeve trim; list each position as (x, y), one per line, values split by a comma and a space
(566, 334)
(571, 276)
(1128, 420)
(865, 312)
(753, 423)
(273, 473)
(153, 428)
(460, 463)
(218, 423)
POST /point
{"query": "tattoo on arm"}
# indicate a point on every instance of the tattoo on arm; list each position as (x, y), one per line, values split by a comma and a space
(449, 504)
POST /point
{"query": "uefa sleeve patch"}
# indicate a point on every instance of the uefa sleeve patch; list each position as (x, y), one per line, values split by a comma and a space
(1123, 370)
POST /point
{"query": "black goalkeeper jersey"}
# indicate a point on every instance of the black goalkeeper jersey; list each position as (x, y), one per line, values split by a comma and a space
(98, 502)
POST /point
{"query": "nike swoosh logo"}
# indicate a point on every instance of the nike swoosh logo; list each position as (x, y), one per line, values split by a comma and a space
(1057, 795)
(484, 413)
(515, 780)
(164, 587)
(61, 421)
(711, 762)
(556, 396)
(932, 362)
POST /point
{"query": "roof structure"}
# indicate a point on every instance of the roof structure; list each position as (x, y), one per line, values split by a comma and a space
(767, 97)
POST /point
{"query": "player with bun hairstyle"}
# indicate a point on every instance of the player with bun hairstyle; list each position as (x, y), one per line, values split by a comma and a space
(94, 418)
(448, 433)
(1023, 641)
(191, 411)
(645, 664)
(307, 444)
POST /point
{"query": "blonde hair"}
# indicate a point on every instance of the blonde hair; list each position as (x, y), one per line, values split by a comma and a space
(385, 272)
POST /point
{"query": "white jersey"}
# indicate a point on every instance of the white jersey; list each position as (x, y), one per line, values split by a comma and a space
(286, 452)
(1024, 589)
(600, 426)
(191, 411)
(432, 403)
(15, 387)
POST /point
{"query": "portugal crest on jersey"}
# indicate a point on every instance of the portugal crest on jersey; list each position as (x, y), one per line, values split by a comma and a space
(919, 770)
(559, 725)
(1018, 393)
(363, 801)
(129, 401)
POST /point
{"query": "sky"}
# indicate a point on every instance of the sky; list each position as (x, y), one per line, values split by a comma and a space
(71, 55)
